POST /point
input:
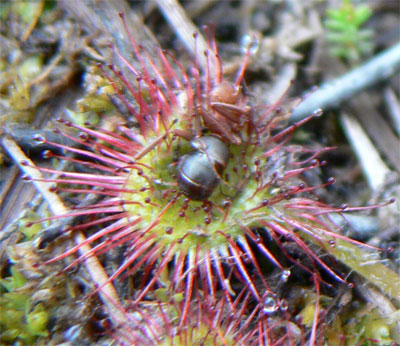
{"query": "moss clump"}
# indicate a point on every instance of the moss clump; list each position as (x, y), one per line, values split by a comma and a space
(19, 320)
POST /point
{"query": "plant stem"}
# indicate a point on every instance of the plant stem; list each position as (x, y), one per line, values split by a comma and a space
(333, 93)
(374, 168)
(365, 263)
(107, 291)
(369, 266)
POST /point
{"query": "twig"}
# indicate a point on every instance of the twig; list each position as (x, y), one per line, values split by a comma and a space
(367, 265)
(393, 106)
(377, 128)
(107, 292)
(36, 15)
(333, 93)
(196, 8)
(372, 165)
(185, 29)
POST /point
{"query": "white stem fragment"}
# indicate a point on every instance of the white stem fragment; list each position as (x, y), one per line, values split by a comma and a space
(185, 28)
(107, 293)
(393, 106)
(333, 93)
(374, 168)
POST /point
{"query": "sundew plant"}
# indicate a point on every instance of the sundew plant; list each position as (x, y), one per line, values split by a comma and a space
(208, 200)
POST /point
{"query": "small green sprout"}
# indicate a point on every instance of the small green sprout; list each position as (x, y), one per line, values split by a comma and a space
(345, 34)
(19, 320)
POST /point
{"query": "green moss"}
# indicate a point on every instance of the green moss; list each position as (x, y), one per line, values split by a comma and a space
(27, 10)
(345, 34)
(365, 326)
(17, 321)
(199, 335)
(31, 231)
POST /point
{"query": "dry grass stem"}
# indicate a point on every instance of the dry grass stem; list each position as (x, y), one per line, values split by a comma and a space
(373, 166)
(184, 28)
(107, 291)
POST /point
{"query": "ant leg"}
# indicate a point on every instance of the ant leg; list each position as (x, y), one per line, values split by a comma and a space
(218, 124)
(231, 112)
(183, 133)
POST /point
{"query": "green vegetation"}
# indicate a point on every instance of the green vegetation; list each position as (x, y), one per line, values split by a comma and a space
(345, 33)
(19, 321)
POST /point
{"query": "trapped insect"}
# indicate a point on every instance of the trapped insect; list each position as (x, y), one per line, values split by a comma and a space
(199, 172)
(225, 114)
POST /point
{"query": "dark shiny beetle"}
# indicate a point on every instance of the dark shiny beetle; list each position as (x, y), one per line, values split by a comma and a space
(199, 172)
